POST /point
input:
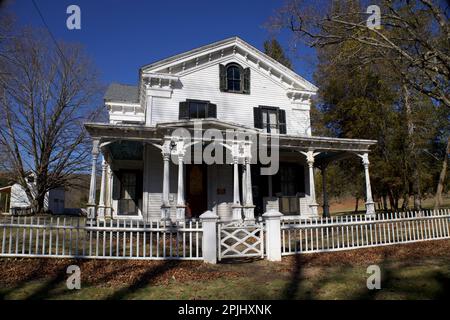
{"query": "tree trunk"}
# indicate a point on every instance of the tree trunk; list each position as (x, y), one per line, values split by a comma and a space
(392, 201)
(440, 187)
(405, 204)
(411, 147)
(385, 203)
(356, 204)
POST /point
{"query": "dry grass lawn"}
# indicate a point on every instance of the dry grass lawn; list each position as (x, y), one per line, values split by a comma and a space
(409, 271)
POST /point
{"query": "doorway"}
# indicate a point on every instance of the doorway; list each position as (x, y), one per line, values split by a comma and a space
(196, 190)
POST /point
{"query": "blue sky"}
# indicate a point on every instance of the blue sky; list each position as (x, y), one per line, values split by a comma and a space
(122, 35)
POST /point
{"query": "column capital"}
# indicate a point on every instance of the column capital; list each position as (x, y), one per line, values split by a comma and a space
(95, 148)
(310, 155)
(364, 159)
(166, 156)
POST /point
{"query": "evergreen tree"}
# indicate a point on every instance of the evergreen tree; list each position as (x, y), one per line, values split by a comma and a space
(274, 50)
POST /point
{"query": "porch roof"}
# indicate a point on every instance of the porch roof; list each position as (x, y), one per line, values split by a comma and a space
(326, 145)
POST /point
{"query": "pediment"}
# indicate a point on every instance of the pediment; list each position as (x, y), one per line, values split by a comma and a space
(168, 71)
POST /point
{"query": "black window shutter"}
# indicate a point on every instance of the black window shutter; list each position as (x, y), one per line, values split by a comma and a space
(183, 112)
(282, 121)
(247, 80)
(223, 77)
(257, 116)
(212, 110)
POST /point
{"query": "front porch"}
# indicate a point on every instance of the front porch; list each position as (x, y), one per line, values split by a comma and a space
(153, 173)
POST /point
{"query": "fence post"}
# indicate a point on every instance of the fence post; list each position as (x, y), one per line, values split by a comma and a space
(273, 235)
(209, 239)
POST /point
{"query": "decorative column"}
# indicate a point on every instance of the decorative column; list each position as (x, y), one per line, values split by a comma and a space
(165, 206)
(101, 201)
(326, 206)
(237, 208)
(92, 187)
(244, 184)
(249, 208)
(181, 206)
(108, 203)
(312, 191)
(370, 205)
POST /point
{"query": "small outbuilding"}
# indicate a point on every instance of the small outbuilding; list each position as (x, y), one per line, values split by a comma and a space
(13, 200)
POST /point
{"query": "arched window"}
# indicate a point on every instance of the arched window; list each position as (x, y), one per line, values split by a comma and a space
(233, 78)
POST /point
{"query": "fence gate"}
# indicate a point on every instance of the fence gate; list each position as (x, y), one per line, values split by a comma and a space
(240, 240)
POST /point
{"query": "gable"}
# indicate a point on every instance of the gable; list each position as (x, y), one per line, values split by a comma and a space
(218, 52)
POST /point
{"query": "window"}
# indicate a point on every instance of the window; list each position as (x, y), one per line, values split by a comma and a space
(197, 109)
(234, 78)
(128, 190)
(289, 180)
(271, 119)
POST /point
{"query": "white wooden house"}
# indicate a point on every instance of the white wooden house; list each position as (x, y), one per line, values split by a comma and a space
(223, 86)
(13, 199)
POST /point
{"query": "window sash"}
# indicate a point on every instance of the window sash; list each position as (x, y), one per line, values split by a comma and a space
(129, 186)
(198, 110)
(234, 78)
(270, 120)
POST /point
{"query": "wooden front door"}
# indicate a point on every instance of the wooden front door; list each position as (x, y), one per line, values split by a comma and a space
(196, 190)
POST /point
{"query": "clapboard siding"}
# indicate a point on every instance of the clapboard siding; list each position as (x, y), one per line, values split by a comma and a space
(203, 84)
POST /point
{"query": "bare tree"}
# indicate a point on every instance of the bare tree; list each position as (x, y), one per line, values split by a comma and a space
(440, 187)
(48, 93)
(414, 36)
(412, 41)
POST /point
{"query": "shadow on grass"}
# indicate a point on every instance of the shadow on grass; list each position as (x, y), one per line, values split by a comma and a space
(293, 286)
(44, 292)
(444, 279)
(144, 279)
(36, 273)
(40, 271)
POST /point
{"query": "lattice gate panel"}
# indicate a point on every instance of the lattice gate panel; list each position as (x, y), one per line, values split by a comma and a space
(240, 240)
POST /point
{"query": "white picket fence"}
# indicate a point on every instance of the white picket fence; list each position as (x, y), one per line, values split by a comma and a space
(352, 232)
(213, 240)
(115, 239)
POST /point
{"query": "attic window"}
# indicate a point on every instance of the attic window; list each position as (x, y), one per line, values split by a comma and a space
(234, 78)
